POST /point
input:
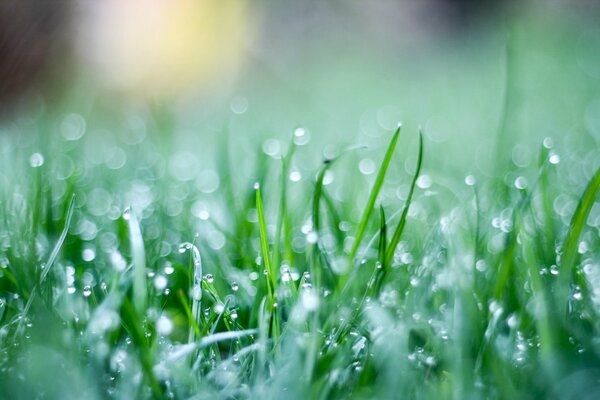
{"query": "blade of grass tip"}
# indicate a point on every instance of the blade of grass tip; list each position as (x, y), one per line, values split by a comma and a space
(196, 288)
(546, 204)
(264, 239)
(571, 244)
(264, 245)
(61, 239)
(374, 192)
(138, 257)
(400, 228)
(316, 220)
(381, 252)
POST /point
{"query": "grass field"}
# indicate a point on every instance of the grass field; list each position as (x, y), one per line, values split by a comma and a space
(279, 247)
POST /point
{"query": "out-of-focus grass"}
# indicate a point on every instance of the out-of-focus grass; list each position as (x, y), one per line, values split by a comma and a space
(177, 277)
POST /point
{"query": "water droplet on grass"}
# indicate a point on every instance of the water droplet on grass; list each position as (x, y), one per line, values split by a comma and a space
(577, 295)
(160, 282)
(548, 142)
(183, 247)
(164, 326)
(239, 105)
(521, 183)
(470, 180)
(424, 182)
(169, 268)
(312, 237)
(295, 176)
(235, 286)
(88, 254)
(36, 160)
(87, 290)
(219, 308)
(197, 293)
(366, 166)
(209, 278)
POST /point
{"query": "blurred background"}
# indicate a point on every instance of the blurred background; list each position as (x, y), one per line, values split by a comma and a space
(345, 71)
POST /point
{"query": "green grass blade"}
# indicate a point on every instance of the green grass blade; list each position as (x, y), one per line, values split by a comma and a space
(138, 256)
(51, 259)
(61, 240)
(571, 243)
(316, 206)
(374, 192)
(272, 275)
(264, 238)
(382, 236)
(400, 228)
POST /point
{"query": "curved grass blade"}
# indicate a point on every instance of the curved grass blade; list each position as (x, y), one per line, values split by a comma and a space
(374, 192)
(400, 228)
(50, 262)
(264, 246)
(316, 211)
(138, 256)
(196, 287)
(570, 246)
(264, 239)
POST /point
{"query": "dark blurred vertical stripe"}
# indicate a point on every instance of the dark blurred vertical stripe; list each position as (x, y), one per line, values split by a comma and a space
(32, 38)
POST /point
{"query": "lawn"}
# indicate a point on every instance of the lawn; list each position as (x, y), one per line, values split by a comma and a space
(371, 224)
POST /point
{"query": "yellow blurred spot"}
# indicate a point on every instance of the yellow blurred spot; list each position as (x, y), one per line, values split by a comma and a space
(164, 46)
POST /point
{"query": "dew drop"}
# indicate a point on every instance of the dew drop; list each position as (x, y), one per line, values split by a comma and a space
(219, 308)
(299, 132)
(470, 180)
(197, 292)
(164, 326)
(366, 166)
(548, 142)
(36, 160)
(209, 278)
(424, 181)
(160, 282)
(234, 286)
(87, 290)
(312, 237)
(310, 301)
(169, 269)
(521, 183)
(295, 176)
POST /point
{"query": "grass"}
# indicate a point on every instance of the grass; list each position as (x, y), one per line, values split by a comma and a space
(448, 306)
(127, 271)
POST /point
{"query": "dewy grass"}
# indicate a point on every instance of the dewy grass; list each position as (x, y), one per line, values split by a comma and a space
(239, 293)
